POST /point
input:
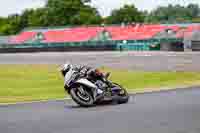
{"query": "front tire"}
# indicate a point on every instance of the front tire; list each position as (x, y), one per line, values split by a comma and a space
(123, 95)
(84, 100)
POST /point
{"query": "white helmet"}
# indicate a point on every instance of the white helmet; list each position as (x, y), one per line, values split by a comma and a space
(66, 67)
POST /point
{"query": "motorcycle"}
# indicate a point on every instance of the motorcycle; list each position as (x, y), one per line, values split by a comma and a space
(88, 91)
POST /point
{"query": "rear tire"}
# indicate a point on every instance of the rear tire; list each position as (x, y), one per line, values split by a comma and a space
(84, 101)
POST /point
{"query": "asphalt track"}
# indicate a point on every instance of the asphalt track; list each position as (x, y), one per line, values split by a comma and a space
(147, 61)
(175, 111)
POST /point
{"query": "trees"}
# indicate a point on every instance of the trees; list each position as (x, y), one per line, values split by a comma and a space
(13, 24)
(86, 16)
(37, 18)
(55, 13)
(79, 12)
(174, 14)
(71, 12)
(126, 14)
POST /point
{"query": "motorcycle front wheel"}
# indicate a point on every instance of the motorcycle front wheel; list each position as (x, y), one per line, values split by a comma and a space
(123, 95)
(82, 96)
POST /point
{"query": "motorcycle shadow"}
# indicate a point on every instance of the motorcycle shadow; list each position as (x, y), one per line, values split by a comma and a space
(102, 104)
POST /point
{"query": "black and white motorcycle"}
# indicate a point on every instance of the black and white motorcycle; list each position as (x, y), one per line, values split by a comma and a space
(91, 89)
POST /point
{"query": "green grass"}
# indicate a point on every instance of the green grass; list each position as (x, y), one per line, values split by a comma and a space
(20, 83)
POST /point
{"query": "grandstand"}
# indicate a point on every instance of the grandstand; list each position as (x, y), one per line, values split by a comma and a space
(22, 37)
(132, 35)
(82, 34)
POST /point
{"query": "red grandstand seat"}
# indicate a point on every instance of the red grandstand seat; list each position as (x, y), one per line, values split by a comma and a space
(134, 33)
(184, 33)
(71, 35)
(23, 37)
(80, 34)
(193, 28)
(174, 28)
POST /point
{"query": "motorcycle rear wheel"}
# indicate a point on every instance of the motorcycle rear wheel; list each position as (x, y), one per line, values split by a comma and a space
(84, 100)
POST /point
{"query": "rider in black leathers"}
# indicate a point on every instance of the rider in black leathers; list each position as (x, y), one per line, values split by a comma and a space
(90, 73)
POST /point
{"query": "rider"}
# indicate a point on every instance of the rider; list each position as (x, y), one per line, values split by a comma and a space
(83, 69)
(89, 72)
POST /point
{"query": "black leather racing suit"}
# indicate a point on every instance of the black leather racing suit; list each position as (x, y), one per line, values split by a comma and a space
(91, 74)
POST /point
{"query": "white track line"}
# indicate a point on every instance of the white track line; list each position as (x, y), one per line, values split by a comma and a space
(39, 101)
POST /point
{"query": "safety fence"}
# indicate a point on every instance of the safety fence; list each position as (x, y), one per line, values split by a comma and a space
(125, 45)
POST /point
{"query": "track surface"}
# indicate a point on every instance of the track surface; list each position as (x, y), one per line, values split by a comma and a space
(148, 61)
(165, 112)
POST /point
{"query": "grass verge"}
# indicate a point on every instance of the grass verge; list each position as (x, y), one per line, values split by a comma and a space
(19, 83)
